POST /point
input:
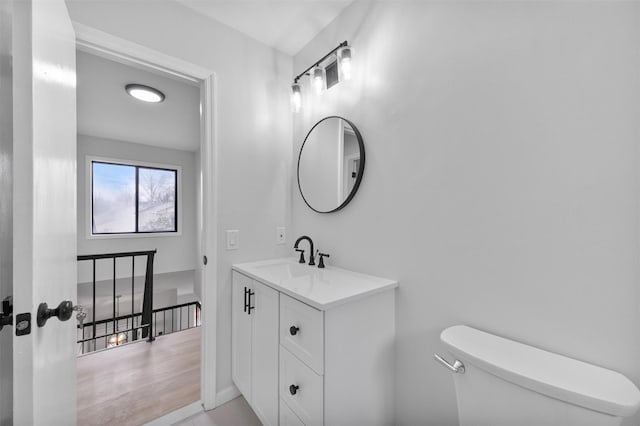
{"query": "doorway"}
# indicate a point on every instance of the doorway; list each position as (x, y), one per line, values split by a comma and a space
(115, 49)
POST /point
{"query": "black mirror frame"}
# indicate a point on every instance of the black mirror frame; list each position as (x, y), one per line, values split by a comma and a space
(356, 185)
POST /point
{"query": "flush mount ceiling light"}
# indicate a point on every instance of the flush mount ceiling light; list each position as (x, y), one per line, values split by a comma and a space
(144, 93)
(317, 74)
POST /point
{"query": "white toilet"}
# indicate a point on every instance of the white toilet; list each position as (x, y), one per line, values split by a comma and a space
(500, 382)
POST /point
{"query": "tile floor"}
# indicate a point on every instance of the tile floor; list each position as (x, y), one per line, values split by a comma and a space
(234, 413)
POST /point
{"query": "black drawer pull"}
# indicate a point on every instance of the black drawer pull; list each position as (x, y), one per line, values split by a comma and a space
(293, 330)
(293, 389)
(249, 307)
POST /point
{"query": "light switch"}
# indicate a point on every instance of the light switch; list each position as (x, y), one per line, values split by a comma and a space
(281, 236)
(233, 239)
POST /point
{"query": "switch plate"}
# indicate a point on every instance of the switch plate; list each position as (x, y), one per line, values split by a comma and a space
(281, 236)
(233, 239)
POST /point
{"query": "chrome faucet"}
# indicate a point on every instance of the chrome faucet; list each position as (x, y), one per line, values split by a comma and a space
(312, 261)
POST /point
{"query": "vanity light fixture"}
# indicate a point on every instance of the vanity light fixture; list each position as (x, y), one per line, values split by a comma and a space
(296, 97)
(316, 72)
(144, 93)
(317, 77)
(344, 53)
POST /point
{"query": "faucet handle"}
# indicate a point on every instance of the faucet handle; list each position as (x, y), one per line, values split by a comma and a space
(321, 261)
(301, 255)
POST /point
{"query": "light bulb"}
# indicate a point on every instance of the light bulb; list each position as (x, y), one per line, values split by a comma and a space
(296, 98)
(318, 79)
(345, 63)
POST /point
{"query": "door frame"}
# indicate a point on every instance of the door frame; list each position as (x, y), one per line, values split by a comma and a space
(91, 40)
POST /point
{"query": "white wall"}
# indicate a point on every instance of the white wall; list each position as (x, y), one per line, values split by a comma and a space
(175, 253)
(253, 128)
(6, 208)
(501, 183)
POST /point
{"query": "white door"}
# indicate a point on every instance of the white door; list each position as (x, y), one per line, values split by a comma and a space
(6, 222)
(44, 210)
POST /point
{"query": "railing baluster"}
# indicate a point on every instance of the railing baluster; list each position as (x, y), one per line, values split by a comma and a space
(147, 301)
(114, 292)
(133, 279)
(94, 297)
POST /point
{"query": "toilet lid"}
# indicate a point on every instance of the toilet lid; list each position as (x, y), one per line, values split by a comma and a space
(554, 375)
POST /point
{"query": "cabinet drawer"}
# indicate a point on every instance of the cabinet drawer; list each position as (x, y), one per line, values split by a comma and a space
(288, 417)
(302, 332)
(301, 389)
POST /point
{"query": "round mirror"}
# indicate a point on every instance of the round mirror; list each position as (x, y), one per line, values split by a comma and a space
(330, 164)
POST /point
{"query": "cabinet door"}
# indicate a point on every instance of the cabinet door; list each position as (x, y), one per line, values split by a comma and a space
(240, 335)
(264, 346)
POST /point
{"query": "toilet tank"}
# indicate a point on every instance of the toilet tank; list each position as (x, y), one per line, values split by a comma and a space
(509, 383)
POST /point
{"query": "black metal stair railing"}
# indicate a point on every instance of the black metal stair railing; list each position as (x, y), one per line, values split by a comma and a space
(180, 317)
(144, 319)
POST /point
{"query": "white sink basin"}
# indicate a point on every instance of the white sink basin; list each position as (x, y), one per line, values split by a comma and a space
(320, 288)
(286, 269)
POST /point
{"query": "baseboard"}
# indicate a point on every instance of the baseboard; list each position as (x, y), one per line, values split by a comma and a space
(226, 395)
(177, 416)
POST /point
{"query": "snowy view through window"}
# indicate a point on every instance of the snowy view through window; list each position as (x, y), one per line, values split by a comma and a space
(115, 207)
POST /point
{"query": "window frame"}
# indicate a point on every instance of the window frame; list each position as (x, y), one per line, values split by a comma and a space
(90, 159)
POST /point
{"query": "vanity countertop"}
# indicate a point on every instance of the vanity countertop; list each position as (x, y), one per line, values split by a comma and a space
(321, 288)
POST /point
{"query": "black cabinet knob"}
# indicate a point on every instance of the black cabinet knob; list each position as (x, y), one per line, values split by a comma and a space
(293, 330)
(293, 389)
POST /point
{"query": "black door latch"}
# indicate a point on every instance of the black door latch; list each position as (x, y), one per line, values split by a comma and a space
(23, 324)
(6, 315)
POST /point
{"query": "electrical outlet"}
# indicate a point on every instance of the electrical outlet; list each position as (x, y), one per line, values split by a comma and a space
(233, 239)
(281, 236)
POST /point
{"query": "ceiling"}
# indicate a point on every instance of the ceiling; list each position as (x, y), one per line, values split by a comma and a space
(105, 110)
(286, 25)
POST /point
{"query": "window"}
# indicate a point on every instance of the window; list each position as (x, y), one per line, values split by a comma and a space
(129, 198)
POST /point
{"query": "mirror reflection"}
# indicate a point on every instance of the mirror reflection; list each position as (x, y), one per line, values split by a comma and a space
(330, 164)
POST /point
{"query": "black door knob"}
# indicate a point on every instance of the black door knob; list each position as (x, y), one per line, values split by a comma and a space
(293, 389)
(293, 330)
(63, 312)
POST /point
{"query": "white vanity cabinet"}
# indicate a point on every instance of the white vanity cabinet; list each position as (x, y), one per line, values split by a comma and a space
(254, 345)
(334, 337)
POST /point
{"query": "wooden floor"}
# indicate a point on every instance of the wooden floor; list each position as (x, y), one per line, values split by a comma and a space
(139, 382)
